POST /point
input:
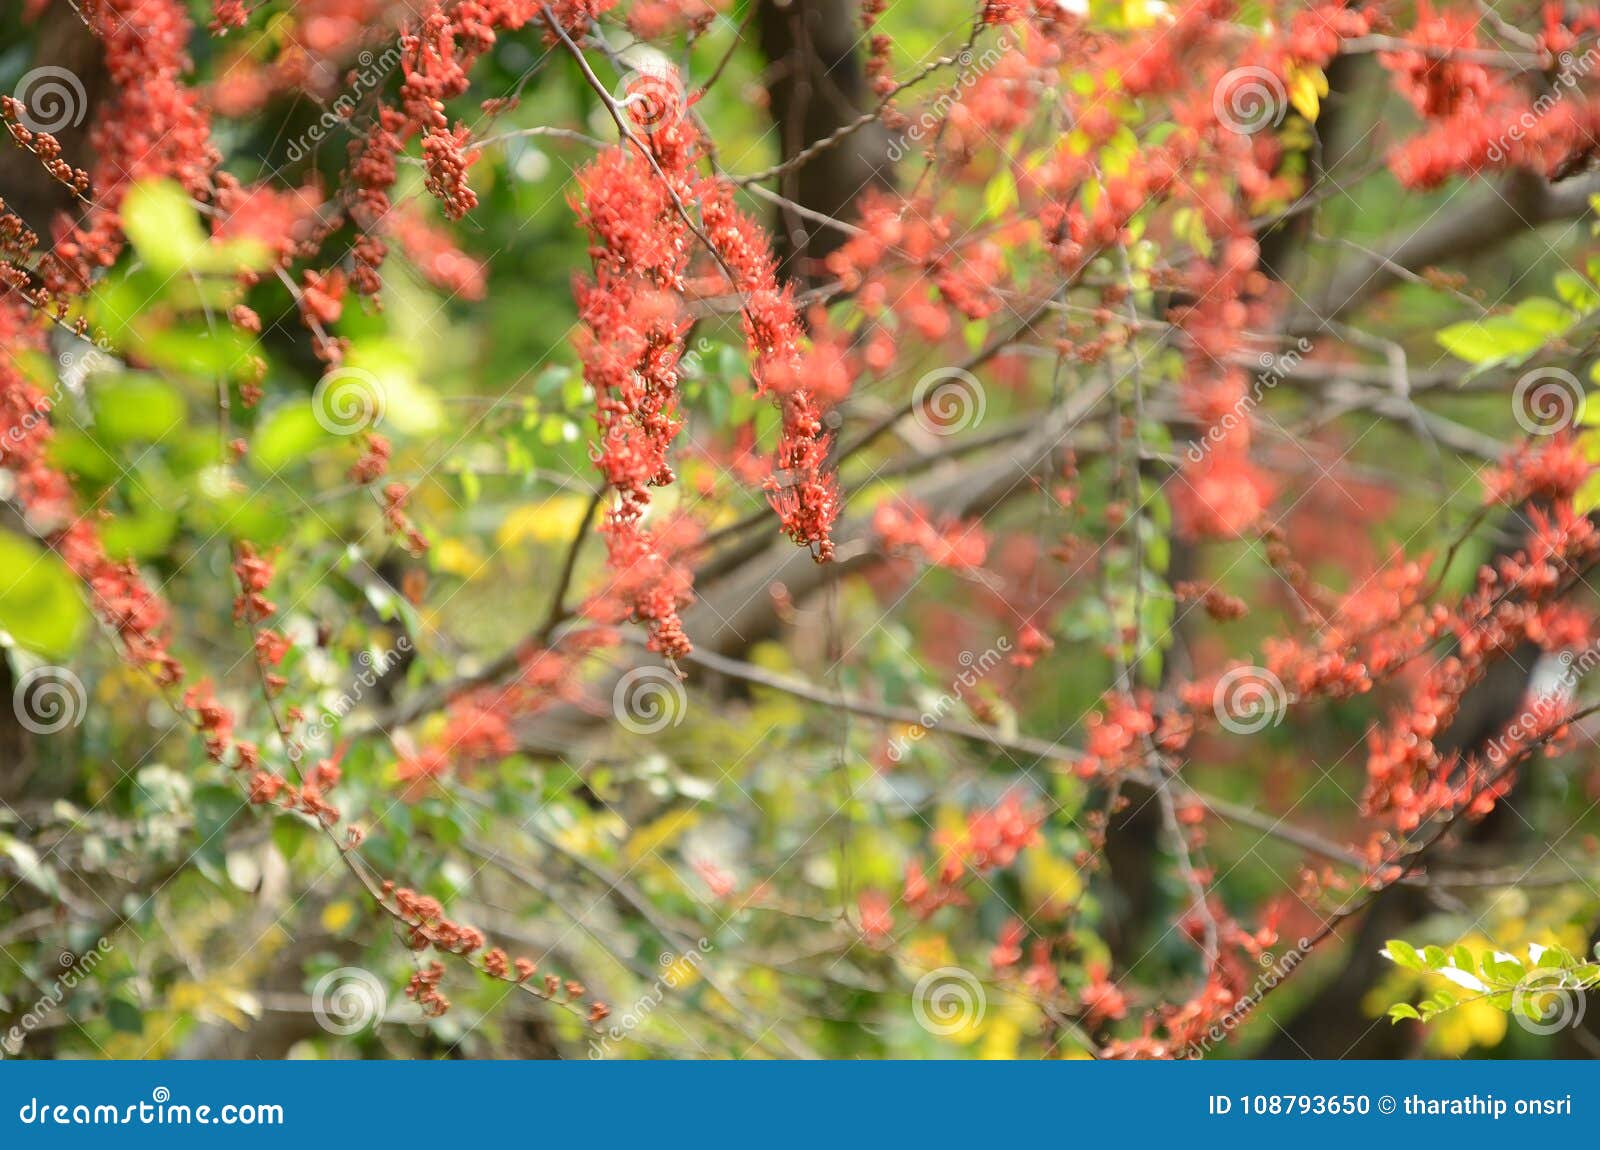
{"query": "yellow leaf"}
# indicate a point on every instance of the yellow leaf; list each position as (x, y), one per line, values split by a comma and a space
(213, 999)
(660, 834)
(1307, 86)
(1050, 885)
(928, 953)
(1588, 496)
(553, 520)
(336, 916)
(1472, 1025)
(1138, 13)
(682, 972)
(457, 557)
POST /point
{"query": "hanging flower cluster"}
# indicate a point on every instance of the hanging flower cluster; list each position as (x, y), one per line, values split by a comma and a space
(636, 323)
(1477, 116)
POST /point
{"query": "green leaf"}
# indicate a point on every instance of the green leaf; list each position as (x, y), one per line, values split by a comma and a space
(141, 534)
(164, 229)
(1000, 196)
(1508, 970)
(162, 225)
(39, 601)
(225, 352)
(30, 868)
(124, 1016)
(1403, 1010)
(1490, 340)
(136, 409)
(289, 433)
(1576, 292)
(406, 404)
(1402, 953)
(1508, 338)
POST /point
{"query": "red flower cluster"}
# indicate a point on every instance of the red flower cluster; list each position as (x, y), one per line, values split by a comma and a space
(1483, 120)
(904, 526)
(801, 489)
(1408, 779)
(154, 126)
(635, 327)
(990, 841)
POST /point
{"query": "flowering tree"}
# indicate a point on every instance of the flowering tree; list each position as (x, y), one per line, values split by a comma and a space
(801, 528)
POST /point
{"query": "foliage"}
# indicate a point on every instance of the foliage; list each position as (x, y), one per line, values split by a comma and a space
(626, 528)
